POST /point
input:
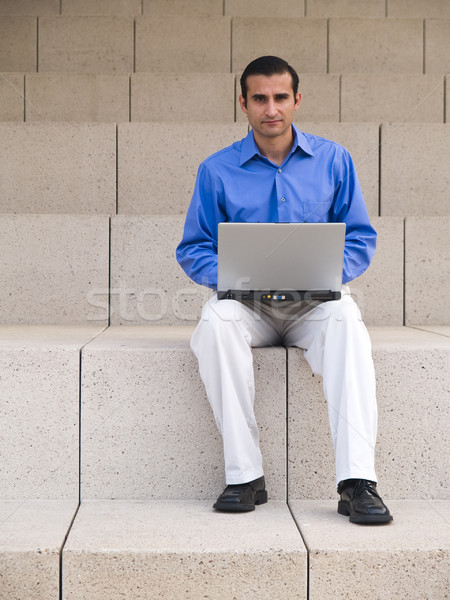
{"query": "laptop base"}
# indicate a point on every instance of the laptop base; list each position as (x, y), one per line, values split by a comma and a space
(280, 296)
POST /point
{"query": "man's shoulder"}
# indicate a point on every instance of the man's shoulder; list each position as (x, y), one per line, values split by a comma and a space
(230, 155)
(319, 143)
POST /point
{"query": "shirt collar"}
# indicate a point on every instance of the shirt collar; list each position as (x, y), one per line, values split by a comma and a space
(249, 148)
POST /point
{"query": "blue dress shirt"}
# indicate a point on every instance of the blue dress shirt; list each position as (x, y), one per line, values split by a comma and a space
(316, 183)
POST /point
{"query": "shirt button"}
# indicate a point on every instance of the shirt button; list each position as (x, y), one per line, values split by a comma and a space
(280, 170)
(283, 199)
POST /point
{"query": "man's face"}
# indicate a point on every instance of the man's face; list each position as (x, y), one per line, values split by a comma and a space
(271, 104)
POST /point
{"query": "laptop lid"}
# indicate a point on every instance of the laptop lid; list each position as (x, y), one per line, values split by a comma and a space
(280, 261)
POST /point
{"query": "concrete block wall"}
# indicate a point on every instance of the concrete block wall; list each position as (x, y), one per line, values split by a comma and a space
(101, 396)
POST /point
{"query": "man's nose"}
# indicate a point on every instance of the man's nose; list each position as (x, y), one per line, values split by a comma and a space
(271, 108)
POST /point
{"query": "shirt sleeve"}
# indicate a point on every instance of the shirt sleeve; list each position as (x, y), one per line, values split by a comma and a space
(349, 207)
(197, 251)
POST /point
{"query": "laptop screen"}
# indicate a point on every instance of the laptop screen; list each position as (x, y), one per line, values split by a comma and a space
(267, 257)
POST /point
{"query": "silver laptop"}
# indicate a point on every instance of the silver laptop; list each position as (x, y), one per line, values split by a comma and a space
(280, 261)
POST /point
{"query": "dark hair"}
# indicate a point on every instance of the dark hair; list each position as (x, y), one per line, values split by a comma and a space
(268, 65)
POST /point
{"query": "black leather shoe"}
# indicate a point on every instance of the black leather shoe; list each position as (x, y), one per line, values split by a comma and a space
(361, 502)
(242, 497)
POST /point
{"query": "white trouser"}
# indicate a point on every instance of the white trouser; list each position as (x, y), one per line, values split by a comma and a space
(337, 347)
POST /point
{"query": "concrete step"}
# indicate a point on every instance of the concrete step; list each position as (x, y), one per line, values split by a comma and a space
(302, 42)
(185, 97)
(147, 434)
(414, 175)
(413, 381)
(148, 287)
(182, 44)
(133, 278)
(166, 187)
(29, 7)
(193, 550)
(32, 534)
(253, 8)
(18, 43)
(101, 7)
(65, 97)
(182, 551)
(408, 558)
(188, 8)
(71, 167)
(12, 94)
(39, 415)
(381, 98)
(133, 412)
(427, 262)
(52, 266)
(435, 9)
(86, 44)
(64, 168)
(180, 97)
(376, 45)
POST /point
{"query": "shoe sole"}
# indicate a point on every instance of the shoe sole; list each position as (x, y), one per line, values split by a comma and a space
(260, 498)
(363, 519)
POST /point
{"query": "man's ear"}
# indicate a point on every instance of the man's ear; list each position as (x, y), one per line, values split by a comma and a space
(298, 97)
(243, 104)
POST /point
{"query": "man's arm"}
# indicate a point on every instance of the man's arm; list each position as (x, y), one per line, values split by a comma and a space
(349, 207)
(197, 251)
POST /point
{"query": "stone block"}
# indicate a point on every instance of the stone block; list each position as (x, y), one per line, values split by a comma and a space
(427, 264)
(346, 8)
(417, 9)
(147, 434)
(407, 558)
(447, 95)
(18, 42)
(379, 291)
(319, 103)
(187, 8)
(179, 44)
(31, 538)
(51, 267)
(101, 7)
(376, 46)
(413, 377)
(380, 98)
(265, 8)
(180, 550)
(64, 168)
(182, 97)
(86, 44)
(362, 141)
(158, 162)
(11, 97)
(37, 8)
(437, 46)
(39, 414)
(77, 97)
(147, 285)
(415, 178)
(302, 42)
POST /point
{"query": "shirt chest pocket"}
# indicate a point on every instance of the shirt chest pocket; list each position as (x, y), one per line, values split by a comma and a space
(317, 211)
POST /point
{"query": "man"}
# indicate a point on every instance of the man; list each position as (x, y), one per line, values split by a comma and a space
(278, 174)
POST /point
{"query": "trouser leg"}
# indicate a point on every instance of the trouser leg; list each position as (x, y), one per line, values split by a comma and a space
(337, 347)
(222, 344)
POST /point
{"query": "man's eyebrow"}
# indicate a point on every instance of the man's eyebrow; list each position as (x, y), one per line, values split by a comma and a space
(281, 95)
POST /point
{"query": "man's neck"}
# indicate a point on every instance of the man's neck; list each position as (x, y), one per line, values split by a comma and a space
(276, 149)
